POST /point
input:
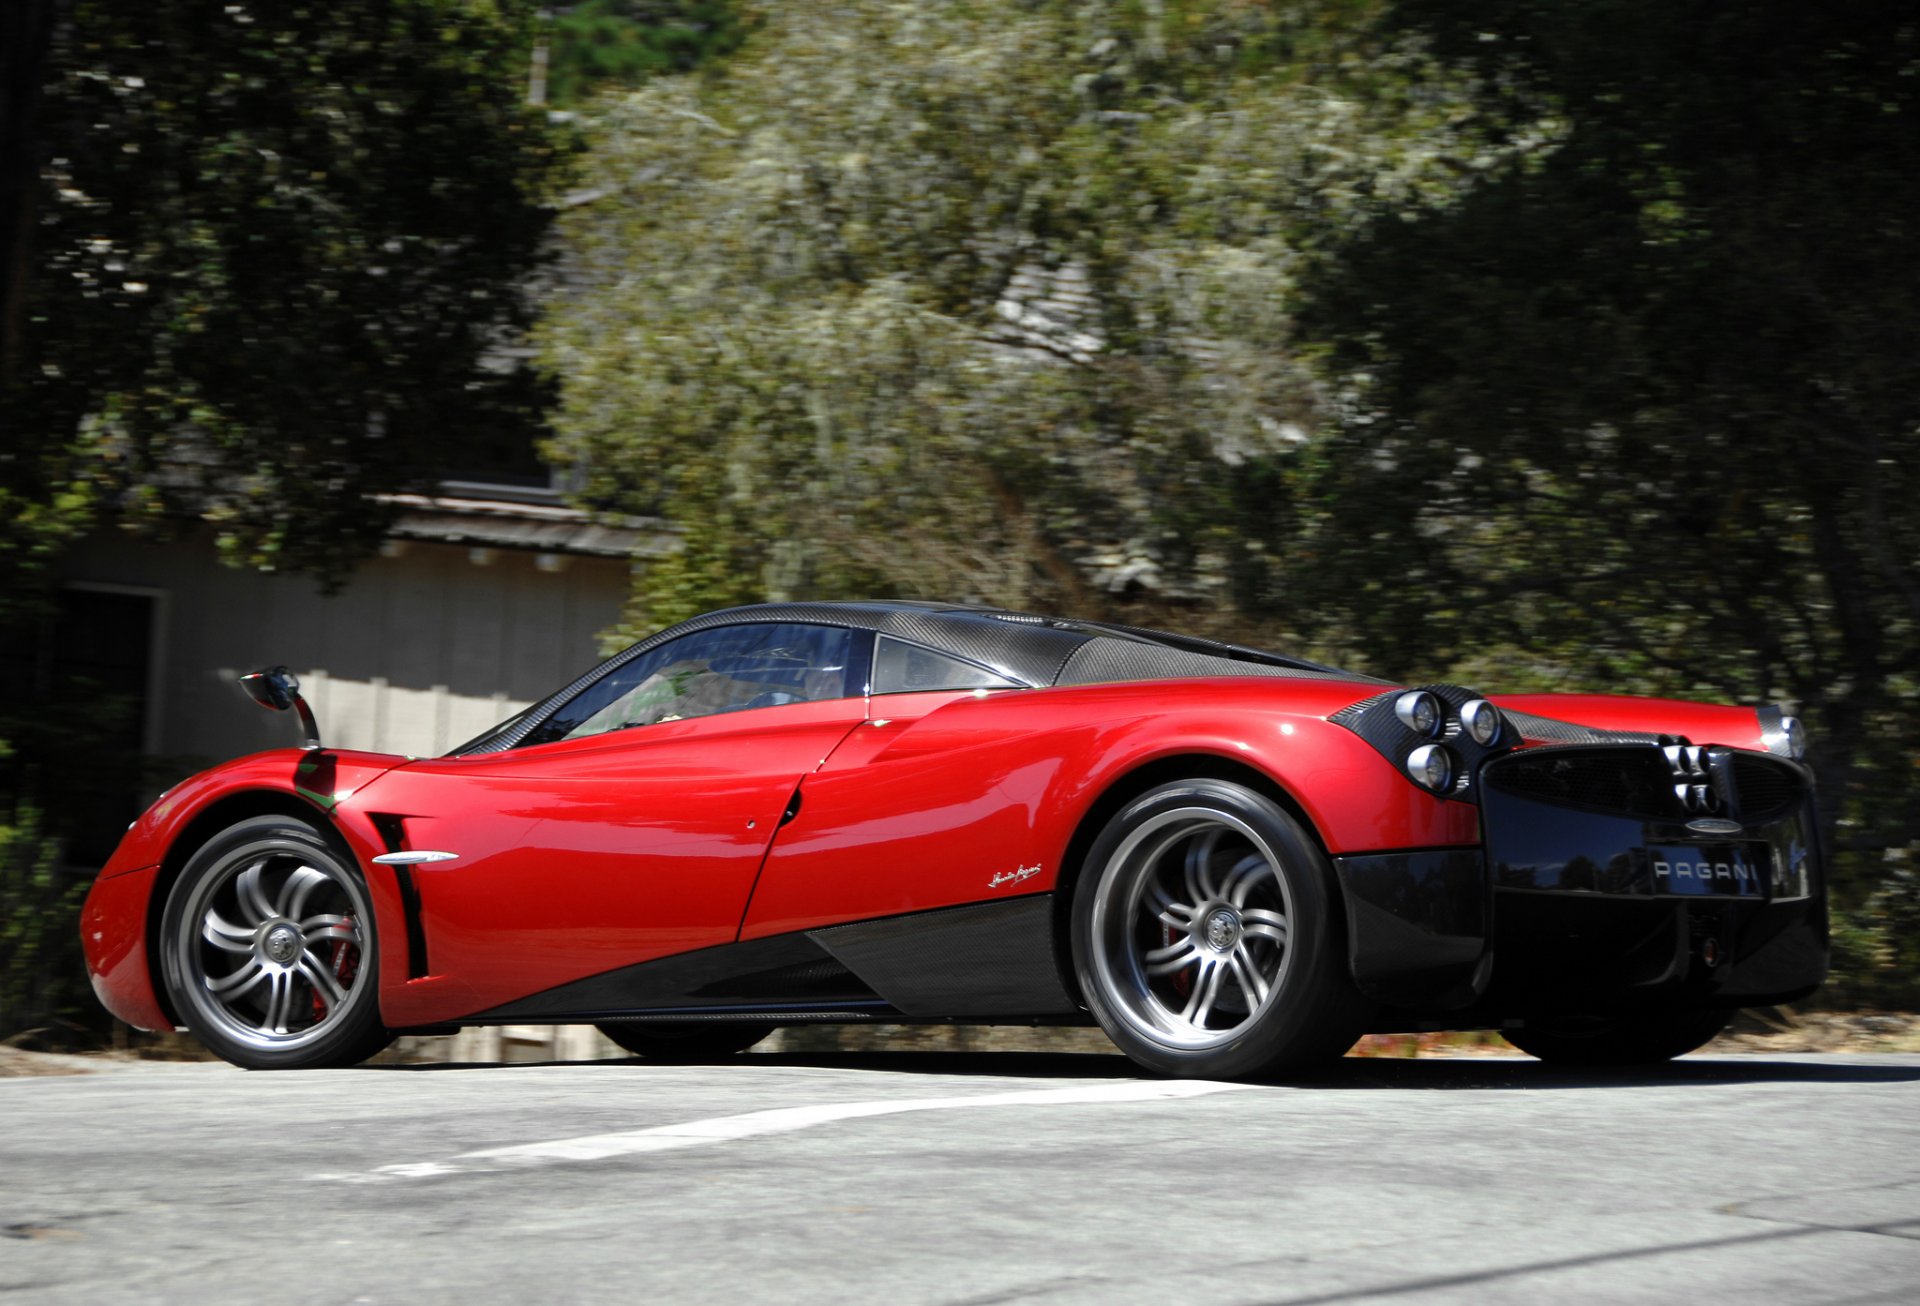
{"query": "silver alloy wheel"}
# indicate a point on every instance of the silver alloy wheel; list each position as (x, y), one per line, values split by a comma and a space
(271, 947)
(1191, 924)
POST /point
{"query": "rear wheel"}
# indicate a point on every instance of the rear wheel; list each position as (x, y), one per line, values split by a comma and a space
(686, 1042)
(1204, 937)
(268, 949)
(1619, 1040)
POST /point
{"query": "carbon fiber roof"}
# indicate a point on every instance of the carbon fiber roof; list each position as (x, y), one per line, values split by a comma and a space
(1103, 660)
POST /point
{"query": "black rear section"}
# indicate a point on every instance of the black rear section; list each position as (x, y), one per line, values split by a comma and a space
(1613, 878)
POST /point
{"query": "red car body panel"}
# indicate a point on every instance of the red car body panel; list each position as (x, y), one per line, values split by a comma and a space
(950, 798)
(113, 928)
(585, 855)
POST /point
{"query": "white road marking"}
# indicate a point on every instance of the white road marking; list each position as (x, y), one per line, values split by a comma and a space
(727, 1129)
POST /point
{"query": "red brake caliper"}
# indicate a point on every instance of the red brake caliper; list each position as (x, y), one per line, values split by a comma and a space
(346, 963)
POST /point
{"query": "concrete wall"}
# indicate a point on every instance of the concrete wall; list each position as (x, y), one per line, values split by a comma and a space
(421, 651)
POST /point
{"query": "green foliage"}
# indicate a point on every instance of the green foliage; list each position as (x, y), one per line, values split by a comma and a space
(42, 972)
(263, 252)
(46, 503)
(612, 44)
(272, 244)
(973, 301)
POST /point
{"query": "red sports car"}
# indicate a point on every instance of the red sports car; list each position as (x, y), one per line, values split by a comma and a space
(1232, 861)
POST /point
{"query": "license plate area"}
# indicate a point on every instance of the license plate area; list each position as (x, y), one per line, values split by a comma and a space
(1716, 870)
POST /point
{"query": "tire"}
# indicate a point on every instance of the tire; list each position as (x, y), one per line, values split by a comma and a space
(1641, 1040)
(268, 948)
(686, 1042)
(1205, 939)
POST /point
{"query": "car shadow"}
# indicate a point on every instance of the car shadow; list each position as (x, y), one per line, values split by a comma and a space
(1014, 1065)
(1351, 1073)
(1525, 1074)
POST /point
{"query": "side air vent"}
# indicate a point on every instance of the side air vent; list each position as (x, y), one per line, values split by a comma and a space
(392, 829)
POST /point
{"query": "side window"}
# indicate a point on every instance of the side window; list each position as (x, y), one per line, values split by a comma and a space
(902, 668)
(721, 670)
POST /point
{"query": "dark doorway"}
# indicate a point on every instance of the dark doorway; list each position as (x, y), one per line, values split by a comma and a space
(76, 692)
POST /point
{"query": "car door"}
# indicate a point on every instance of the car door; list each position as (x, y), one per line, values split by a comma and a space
(632, 823)
(932, 803)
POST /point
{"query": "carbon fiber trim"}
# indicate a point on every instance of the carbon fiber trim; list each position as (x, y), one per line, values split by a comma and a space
(760, 974)
(1105, 660)
(1376, 722)
(1220, 648)
(1032, 654)
(1353, 714)
(1546, 730)
(758, 1015)
(988, 959)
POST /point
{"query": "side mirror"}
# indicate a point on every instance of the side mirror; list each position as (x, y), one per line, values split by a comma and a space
(279, 689)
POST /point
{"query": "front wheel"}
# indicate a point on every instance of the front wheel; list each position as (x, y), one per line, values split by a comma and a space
(1641, 1040)
(686, 1042)
(267, 948)
(1204, 936)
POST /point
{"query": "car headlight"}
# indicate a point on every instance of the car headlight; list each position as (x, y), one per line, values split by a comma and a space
(1482, 722)
(1431, 767)
(1420, 712)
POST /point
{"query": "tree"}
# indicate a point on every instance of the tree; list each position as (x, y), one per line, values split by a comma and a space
(253, 259)
(271, 249)
(42, 970)
(1529, 345)
(602, 44)
(1635, 391)
(985, 301)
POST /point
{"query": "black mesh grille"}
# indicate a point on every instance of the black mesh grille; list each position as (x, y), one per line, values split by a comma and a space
(1767, 789)
(1628, 781)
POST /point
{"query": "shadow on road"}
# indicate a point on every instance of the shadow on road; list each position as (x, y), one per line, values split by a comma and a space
(1426, 1073)
(1516, 1073)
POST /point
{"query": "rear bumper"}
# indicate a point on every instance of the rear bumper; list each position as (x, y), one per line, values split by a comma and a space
(1611, 878)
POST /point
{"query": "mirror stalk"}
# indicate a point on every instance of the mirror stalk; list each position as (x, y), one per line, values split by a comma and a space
(279, 689)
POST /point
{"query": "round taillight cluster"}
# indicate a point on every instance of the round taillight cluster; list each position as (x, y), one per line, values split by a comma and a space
(1434, 766)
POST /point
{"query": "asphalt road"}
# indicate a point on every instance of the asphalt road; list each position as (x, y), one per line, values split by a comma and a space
(949, 1178)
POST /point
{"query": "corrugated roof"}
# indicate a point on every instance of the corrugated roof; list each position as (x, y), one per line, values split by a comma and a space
(534, 527)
